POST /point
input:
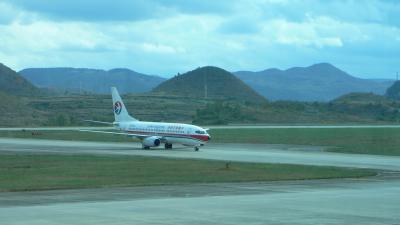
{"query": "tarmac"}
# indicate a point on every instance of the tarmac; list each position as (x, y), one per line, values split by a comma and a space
(374, 200)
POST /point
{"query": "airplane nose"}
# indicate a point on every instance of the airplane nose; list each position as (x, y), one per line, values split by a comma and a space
(208, 137)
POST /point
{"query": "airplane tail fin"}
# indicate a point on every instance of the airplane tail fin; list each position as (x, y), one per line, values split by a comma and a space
(120, 112)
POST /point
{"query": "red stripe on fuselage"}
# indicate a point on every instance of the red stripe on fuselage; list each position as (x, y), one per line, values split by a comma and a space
(204, 138)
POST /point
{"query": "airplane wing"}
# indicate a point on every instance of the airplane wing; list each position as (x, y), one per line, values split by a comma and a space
(95, 121)
(119, 133)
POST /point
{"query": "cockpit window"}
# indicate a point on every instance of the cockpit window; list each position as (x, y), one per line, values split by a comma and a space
(200, 132)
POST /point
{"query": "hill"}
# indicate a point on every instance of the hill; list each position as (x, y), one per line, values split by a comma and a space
(16, 111)
(72, 110)
(91, 80)
(367, 105)
(354, 108)
(14, 84)
(393, 92)
(211, 83)
(319, 82)
(361, 98)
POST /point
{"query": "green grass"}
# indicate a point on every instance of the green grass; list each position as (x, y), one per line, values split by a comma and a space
(27, 172)
(379, 141)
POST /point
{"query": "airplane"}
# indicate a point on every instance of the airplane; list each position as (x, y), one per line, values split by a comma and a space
(152, 134)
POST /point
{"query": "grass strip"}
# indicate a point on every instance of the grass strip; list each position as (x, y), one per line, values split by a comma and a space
(28, 172)
(379, 141)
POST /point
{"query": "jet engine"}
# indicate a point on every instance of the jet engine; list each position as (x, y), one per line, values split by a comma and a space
(151, 141)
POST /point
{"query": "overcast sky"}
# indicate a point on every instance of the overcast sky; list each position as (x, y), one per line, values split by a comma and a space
(167, 37)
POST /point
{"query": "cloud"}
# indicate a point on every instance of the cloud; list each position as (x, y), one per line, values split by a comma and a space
(166, 37)
(48, 36)
(7, 13)
(92, 10)
(158, 48)
(362, 11)
(118, 10)
(318, 32)
(240, 25)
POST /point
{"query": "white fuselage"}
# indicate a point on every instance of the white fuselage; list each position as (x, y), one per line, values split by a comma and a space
(185, 134)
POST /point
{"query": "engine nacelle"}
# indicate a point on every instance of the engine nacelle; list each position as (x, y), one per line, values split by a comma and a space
(151, 141)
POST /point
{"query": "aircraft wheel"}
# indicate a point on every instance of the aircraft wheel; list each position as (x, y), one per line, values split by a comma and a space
(196, 149)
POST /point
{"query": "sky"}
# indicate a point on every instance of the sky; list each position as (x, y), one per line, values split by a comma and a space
(166, 37)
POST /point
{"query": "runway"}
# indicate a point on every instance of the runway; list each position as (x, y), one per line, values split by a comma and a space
(300, 202)
(294, 154)
(372, 200)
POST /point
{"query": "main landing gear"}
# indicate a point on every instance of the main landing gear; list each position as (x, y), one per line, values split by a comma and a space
(168, 146)
(196, 148)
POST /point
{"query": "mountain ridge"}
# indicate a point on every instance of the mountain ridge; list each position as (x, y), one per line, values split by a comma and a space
(91, 80)
(393, 92)
(318, 82)
(14, 84)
